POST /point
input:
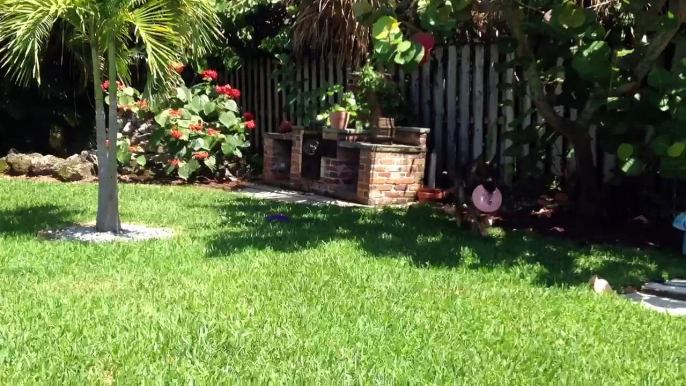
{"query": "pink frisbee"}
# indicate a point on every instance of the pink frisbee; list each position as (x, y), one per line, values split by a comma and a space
(485, 201)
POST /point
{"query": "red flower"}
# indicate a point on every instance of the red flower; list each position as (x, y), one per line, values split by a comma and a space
(223, 90)
(176, 134)
(285, 127)
(143, 104)
(176, 113)
(196, 127)
(174, 162)
(212, 131)
(107, 142)
(133, 148)
(234, 93)
(250, 125)
(209, 75)
(176, 66)
(201, 154)
(105, 86)
(248, 116)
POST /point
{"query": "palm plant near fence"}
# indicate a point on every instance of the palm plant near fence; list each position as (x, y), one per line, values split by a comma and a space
(166, 28)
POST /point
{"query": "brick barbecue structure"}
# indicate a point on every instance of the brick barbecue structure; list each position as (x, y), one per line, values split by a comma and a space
(340, 164)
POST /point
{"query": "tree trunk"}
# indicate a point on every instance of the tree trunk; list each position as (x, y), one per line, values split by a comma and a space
(108, 202)
(586, 192)
(113, 221)
(101, 137)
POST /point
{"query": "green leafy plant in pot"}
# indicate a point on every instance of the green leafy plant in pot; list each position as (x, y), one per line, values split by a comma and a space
(381, 99)
(341, 114)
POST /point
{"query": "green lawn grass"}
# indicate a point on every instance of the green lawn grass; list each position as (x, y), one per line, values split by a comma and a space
(334, 296)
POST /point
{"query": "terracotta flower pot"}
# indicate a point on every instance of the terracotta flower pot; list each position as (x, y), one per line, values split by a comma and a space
(339, 119)
(430, 195)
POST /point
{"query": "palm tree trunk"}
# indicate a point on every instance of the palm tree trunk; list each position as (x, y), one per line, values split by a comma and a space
(112, 222)
(101, 137)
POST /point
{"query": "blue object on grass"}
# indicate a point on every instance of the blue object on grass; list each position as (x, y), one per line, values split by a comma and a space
(680, 224)
(277, 217)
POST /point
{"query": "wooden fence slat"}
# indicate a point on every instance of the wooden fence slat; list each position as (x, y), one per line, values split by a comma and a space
(557, 146)
(540, 121)
(241, 86)
(331, 80)
(463, 140)
(508, 112)
(426, 95)
(594, 143)
(609, 165)
(270, 105)
(306, 88)
(401, 84)
(438, 94)
(526, 105)
(298, 79)
(493, 98)
(256, 99)
(415, 93)
(316, 108)
(340, 78)
(570, 162)
(478, 104)
(451, 109)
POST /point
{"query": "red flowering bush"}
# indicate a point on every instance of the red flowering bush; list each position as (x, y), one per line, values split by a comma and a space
(248, 116)
(105, 86)
(209, 75)
(196, 127)
(202, 129)
(228, 91)
(234, 93)
(130, 107)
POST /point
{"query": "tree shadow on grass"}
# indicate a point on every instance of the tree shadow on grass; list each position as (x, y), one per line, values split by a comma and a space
(32, 219)
(432, 240)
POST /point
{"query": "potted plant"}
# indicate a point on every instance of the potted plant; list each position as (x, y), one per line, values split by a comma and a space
(339, 117)
(381, 99)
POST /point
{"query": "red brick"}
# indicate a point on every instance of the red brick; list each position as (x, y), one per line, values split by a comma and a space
(386, 175)
(373, 193)
(405, 180)
(382, 187)
(392, 194)
(388, 161)
(400, 187)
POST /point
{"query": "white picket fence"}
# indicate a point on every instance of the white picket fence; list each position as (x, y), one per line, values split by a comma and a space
(457, 96)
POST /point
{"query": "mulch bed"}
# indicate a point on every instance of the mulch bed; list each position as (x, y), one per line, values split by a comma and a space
(631, 232)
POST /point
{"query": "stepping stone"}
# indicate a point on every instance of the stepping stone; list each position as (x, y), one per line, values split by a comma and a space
(659, 304)
(665, 290)
(676, 282)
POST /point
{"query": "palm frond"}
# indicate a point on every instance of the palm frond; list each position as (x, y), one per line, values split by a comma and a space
(25, 27)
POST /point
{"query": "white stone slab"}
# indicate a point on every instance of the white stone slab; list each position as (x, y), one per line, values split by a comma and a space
(676, 290)
(676, 282)
(659, 304)
(265, 192)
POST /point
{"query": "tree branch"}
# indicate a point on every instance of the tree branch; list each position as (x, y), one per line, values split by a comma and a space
(514, 18)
